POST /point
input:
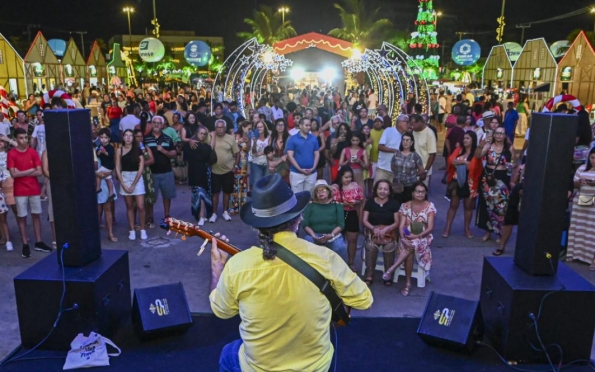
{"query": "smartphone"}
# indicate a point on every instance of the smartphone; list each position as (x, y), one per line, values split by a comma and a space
(353, 158)
(489, 132)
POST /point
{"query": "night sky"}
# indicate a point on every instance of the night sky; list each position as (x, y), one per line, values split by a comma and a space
(225, 17)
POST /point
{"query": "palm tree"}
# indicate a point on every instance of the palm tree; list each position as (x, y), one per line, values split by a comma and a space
(267, 27)
(400, 39)
(360, 26)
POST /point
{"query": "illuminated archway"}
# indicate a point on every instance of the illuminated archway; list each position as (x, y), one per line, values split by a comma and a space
(392, 73)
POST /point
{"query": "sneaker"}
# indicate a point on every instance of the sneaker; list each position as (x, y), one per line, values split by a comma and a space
(26, 251)
(132, 235)
(143, 235)
(9, 246)
(202, 221)
(213, 218)
(226, 216)
(42, 247)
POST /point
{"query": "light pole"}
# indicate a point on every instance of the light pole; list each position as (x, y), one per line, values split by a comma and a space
(129, 10)
(436, 15)
(283, 10)
(593, 11)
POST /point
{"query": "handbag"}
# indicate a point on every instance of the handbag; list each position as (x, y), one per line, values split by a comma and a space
(586, 200)
(89, 351)
(490, 179)
(389, 236)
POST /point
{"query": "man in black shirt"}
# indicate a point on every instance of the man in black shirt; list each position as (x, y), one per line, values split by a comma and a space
(210, 123)
(201, 113)
(164, 150)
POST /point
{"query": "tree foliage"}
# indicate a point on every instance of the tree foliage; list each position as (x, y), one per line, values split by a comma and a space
(360, 26)
(268, 27)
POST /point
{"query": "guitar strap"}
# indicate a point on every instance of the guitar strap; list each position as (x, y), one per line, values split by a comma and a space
(323, 284)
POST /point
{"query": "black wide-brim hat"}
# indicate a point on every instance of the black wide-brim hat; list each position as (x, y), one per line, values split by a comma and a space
(273, 203)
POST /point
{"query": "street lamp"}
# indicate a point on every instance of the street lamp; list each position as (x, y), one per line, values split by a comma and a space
(129, 10)
(436, 15)
(593, 11)
(283, 10)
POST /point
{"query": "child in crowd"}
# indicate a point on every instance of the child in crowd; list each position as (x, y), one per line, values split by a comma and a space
(269, 152)
(105, 153)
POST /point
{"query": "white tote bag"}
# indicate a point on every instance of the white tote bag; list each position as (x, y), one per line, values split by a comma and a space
(89, 351)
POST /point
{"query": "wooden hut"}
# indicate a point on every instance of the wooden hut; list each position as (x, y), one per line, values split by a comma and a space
(42, 67)
(73, 66)
(535, 69)
(97, 67)
(12, 70)
(497, 72)
(576, 70)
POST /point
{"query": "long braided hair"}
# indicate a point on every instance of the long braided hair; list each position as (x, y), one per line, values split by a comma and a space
(265, 237)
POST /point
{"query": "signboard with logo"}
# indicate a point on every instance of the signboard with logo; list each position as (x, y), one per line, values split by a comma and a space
(513, 50)
(151, 50)
(466, 52)
(197, 53)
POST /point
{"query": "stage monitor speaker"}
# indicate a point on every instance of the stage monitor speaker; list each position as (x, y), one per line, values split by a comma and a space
(160, 311)
(72, 175)
(450, 322)
(97, 299)
(563, 306)
(548, 175)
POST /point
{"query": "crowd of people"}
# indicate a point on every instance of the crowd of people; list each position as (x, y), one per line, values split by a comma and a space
(367, 173)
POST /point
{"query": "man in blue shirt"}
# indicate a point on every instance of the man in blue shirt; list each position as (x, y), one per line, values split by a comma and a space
(302, 152)
(511, 118)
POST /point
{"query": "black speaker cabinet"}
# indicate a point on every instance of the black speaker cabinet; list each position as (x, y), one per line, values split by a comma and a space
(548, 174)
(564, 306)
(72, 174)
(160, 311)
(450, 322)
(100, 291)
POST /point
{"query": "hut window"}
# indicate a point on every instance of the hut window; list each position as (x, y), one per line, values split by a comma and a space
(542, 54)
(1, 58)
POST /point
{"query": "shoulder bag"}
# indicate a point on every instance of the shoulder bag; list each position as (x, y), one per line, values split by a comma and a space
(586, 200)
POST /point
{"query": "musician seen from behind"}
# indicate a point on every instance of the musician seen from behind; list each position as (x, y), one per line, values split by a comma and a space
(285, 318)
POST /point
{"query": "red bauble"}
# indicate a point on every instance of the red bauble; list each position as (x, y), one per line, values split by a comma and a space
(420, 45)
(437, 45)
(415, 23)
(412, 46)
(423, 22)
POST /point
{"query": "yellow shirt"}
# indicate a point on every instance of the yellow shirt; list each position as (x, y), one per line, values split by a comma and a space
(285, 318)
(375, 135)
(425, 145)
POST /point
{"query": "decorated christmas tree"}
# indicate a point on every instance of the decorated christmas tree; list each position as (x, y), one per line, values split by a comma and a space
(423, 44)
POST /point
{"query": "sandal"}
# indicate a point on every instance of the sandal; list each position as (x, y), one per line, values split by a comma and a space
(112, 239)
(445, 234)
(498, 252)
(387, 276)
(469, 235)
(406, 289)
(486, 237)
(369, 281)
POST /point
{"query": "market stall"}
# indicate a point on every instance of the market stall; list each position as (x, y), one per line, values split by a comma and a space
(42, 67)
(576, 72)
(73, 66)
(12, 70)
(497, 72)
(96, 66)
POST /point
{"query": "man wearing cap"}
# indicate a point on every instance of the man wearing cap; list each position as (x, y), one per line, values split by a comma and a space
(387, 147)
(285, 318)
(302, 152)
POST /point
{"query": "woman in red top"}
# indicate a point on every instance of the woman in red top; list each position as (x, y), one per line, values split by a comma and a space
(465, 157)
(114, 114)
(349, 194)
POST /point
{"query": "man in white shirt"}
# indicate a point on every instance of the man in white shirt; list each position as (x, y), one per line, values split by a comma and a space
(277, 110)
(4, 125)
(372, 103)
(389, 144)
(425, 144)
(129, 121)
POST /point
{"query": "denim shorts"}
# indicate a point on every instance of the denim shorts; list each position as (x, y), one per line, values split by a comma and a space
(165, 183)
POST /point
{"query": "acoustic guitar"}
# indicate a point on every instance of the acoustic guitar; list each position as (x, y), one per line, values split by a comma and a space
(340, 312)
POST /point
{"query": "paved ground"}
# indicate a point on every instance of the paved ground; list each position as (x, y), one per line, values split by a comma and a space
(164, 259)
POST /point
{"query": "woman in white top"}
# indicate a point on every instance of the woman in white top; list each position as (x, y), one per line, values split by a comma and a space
(7, 195)
(258, 162)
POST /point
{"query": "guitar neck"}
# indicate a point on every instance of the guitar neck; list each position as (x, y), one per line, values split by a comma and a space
(188, 229)
(224, 246)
